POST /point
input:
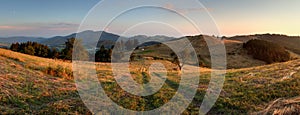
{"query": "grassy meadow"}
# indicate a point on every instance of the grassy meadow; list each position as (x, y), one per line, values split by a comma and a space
(33, 85)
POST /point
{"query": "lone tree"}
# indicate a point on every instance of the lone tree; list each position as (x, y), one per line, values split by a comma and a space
(183, 55)
(181, 58)
(103, 55)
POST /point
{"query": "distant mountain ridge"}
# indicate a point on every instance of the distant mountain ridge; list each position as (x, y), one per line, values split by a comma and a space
(20, 39)
(88, 37)
(92, 38)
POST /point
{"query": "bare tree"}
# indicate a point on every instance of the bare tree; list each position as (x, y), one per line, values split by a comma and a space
(182, 57)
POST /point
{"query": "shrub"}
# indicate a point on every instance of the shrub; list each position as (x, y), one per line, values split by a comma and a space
(266, 51)
(59, 71)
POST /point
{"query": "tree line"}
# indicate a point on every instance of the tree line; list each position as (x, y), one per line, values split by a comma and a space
(35, 49)
(40, 50)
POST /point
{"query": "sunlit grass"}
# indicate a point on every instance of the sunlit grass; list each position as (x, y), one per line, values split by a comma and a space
(28, 86)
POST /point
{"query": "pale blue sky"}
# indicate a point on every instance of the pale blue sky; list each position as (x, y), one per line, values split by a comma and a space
(233, 17)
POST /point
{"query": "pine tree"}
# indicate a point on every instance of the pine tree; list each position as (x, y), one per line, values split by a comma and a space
(80, 54)
(14, 47)
(54, 53)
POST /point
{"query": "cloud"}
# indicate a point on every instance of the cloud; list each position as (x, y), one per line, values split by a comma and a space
(64, 24)
(61, 29)
(61, 26)
(38, 29)
(185, 10)
(15, 28)
(169, 6)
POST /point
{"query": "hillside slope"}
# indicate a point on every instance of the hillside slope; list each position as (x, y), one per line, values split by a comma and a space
(36, 85)
(236, 56)
(25, 86)
(289, 42)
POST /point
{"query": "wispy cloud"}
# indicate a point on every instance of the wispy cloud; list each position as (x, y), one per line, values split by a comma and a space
(38, 29)
(5, 27)
(185, 10)
(61, 26)
(60, 29)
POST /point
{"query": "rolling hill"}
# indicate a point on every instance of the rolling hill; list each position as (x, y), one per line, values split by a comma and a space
(33, 85)
(289, 42)
(237, 56)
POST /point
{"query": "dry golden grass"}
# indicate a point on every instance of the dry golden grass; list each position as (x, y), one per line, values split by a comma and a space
(48, 66)
(32, 61)
(26, 88)
(282, 107)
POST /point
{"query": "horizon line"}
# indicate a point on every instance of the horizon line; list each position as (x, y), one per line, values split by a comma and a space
(231, 35)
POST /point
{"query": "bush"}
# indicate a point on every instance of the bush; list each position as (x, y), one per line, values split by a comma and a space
(59, 71)
(266, 51)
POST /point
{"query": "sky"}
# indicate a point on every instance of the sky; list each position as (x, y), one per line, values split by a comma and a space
(214, 17)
